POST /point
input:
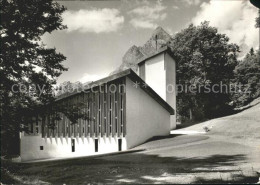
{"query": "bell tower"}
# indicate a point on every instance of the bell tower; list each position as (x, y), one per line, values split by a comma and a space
(159, 72)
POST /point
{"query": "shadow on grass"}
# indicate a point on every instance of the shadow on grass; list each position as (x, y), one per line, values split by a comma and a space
(235, 179)
(125, 168)
(155, 138)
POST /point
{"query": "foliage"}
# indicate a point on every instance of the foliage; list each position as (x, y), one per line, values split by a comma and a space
(204, 58)
(68, 87)
(247, 78)
(27, 65)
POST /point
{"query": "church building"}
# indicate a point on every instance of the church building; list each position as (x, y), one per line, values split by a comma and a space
(126, 109)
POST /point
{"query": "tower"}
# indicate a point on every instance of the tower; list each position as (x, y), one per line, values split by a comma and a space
(159, 72)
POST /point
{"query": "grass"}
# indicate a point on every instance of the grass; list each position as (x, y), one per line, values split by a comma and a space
(140, 167)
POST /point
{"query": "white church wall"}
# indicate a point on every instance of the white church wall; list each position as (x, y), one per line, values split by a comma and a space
(170, 66)
(155, 74)
(61, 147)
(145, 117)
(160, 75)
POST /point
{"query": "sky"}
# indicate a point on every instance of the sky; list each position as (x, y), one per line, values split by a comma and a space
(100, 32)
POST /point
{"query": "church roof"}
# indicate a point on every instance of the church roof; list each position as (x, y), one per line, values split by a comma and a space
(126, 73)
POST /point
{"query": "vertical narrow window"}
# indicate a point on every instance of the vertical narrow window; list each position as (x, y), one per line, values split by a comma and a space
(96, 145)
(105, 109)
(99, 120)
(110, 101)
(105, 97)
(105, 125)
(116, 95)
(105, 114)
(99, 102)
(83, 130)
(116, 109)
(121, 99)
(73, 145)
(94, 125)
(94, 112)
(88, 121)
(110, 121)
(116, 125)
(119, 144)
(122, 121)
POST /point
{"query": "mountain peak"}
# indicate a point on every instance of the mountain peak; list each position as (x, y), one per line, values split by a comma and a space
(160, 31)
(132, 55)
(132, 48)
(159, 39)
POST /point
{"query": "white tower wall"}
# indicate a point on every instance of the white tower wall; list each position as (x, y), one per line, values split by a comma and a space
(160, 74)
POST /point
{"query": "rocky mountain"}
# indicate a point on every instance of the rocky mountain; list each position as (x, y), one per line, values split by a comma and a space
(134, 54)
(158, 39)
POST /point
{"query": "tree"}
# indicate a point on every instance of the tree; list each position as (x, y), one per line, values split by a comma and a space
(28, 68)
(68, 87)
(247, 78)
(204, 58)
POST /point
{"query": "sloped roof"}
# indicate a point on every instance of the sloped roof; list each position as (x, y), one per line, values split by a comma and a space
(126, 73)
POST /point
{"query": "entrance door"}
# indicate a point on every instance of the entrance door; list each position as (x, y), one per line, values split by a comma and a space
(73, 145)
(96, 145)
(119, 144)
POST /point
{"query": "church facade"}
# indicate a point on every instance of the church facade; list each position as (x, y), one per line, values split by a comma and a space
(125, 110)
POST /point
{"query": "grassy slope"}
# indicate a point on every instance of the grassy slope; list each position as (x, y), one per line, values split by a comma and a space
(243, 124)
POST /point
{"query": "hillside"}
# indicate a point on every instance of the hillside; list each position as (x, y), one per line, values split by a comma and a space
(243, 124)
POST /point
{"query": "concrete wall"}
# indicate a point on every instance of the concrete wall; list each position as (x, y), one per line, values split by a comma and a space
(155, 74)
(61, 147)
(160, 74)
(170, 66)
(145, 117)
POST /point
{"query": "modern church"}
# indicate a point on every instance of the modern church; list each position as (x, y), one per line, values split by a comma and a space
(140, 105)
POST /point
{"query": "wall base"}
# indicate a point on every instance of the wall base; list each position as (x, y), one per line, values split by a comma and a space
(36, 147)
